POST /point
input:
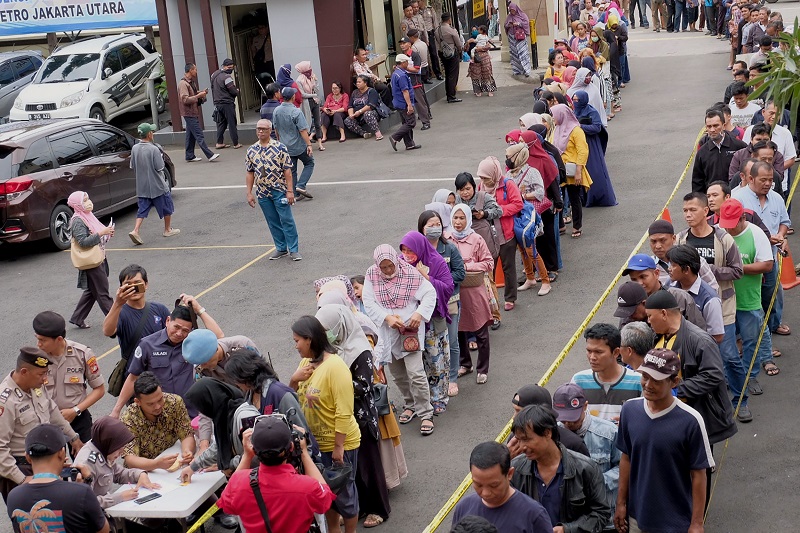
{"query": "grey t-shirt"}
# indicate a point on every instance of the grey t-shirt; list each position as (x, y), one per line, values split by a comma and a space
(147, 162)
(288, 121)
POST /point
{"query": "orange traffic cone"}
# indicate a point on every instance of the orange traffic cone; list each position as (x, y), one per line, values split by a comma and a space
(499, 278)
(665, 215)
(789, 278)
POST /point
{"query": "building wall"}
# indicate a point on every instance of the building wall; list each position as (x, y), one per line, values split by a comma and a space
(292, 24)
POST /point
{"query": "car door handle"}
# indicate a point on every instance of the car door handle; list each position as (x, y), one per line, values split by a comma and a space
(68, 175)
(112, 168)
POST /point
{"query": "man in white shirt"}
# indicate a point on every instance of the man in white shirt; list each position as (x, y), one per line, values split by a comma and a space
(742, 111)
(781, 136)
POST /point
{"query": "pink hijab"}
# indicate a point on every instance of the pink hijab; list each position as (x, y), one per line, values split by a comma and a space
(75, 201)
(398, 290)
(565, 123)
(569, 76)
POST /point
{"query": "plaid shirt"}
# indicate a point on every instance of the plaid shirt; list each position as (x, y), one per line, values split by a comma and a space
(268, 163)
(152, 438)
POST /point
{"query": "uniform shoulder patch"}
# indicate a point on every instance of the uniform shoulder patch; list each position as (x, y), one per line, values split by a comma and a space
(92, 363)
(4, 395)
(92, 457)
(138, 353)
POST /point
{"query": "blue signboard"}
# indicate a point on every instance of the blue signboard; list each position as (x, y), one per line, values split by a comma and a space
(21, 17)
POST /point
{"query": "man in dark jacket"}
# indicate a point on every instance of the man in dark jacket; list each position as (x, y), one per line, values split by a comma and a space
(568, 485)
(224, 92)
(713, 158)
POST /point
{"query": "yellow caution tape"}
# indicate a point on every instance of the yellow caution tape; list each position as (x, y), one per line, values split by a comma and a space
(203, 519)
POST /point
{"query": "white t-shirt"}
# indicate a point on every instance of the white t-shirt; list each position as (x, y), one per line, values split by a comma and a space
(783, 138)
(743, 117)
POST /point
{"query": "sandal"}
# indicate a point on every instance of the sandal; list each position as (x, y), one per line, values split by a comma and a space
(452, 389)
(222, 146)
(562, 231)
(576, 234)
(82, 325)
(755, 387)
(567, 219)
(776, 353)
(426, 428)
(439, 408)
(463, 371)
(373, 520)
(783, 329)
(379, 137)
(321, 148)
(771, 368)
(237, 146)
(406, 416)
(473, 346)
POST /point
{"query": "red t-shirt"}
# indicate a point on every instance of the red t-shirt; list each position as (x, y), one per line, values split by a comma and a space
(291, 499)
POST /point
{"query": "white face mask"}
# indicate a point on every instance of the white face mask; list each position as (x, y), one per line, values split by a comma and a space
(88, 205)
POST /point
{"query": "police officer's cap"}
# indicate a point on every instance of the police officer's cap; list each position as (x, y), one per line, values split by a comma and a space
(33, 356)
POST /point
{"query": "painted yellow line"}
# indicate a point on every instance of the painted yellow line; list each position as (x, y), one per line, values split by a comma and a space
(210, 247)
(270, 249)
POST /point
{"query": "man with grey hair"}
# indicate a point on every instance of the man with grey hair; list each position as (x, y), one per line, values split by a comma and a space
(269, 167)
(190, 98)
(637, 340)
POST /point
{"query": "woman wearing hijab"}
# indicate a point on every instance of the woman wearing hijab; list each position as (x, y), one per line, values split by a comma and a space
(601, 78)
(518, 31)
(569, 76)
(347, 337)
(97, 461)
(476, 312)
(480, 66)
(584, 82)
(601, 193)
(419, 253)
(531, 187)
(445, 196)
(308, 85)
(332, 283)
(598, 44)
(284, 79)
(508, 198)
(442, 203)
(325, 387)
(224, 404)
(570, 140)
(529, 119)
(399, 300)
(88, 232)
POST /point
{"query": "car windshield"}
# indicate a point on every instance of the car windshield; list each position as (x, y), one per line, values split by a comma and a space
(72, 67)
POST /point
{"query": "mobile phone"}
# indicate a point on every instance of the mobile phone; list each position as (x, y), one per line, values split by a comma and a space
(148, 498)
(69, 473)
(248, 422)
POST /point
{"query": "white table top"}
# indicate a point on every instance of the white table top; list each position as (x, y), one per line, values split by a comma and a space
(176, 501)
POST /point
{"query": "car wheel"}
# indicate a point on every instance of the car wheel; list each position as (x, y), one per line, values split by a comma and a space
(97, 113)
(161, 105)
(59, 226)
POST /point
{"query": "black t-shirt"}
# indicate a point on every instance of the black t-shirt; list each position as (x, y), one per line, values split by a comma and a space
(129, 321)
(55, 506)
(703, 245)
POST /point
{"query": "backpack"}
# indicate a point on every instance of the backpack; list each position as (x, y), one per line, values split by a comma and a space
(527, 225)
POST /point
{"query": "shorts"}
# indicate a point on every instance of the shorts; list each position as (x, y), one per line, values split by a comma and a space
(163, 205)
(346, 502)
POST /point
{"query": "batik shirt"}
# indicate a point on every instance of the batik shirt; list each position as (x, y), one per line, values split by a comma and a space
(268, 164)
(152, 438)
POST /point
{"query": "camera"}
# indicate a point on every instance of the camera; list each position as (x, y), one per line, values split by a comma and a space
(295, 456)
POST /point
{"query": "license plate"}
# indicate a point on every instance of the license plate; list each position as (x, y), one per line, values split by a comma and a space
(38, 116)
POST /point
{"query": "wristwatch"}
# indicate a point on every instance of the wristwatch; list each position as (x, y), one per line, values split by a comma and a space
(201, 311)
(77, 411)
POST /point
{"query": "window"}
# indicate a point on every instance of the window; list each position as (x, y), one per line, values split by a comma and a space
(37, 158)
(147, 45)
(24, 67)
(108, 142)
(130, 55)
(112, 61)
(6, 74)
(71, 149)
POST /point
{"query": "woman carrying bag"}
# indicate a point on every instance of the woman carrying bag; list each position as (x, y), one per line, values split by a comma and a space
(89, 238)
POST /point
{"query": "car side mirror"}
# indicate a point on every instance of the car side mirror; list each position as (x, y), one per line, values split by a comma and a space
(107, 72)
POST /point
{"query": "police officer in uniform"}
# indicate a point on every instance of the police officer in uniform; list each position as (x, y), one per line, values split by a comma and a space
(24, 404)
(74, 380)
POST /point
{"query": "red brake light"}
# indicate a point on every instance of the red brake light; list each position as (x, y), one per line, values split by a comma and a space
(15, 185)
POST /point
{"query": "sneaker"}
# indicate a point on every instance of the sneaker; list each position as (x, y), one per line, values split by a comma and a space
(213, 158)
(304, 193)
(483, 378)
(546, 288)
(744, 414)
(193, 160)
(277, 254)
(295, 256)
(135, 238)
(495, 325)
(172, 232)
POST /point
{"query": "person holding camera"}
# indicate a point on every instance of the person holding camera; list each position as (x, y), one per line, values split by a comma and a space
(47, 500)
(275, 492)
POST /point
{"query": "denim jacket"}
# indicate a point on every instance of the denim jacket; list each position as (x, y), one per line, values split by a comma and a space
(601, 440)
(583, 496)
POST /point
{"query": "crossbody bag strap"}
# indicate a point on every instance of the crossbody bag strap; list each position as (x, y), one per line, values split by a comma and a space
(138, 333)
(259, 498)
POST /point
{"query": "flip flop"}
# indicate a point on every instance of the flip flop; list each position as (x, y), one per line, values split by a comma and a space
(473, 346)
(463, 371)
(771, 368)
(576, 234)
(783, 329)
(406, 418)
(222, 146)
(373, 520)
(321, 148)
(776, 353)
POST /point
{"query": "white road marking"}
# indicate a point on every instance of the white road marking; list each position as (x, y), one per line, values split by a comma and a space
(319, 184)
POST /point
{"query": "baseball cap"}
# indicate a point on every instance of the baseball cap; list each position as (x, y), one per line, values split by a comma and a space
(228, 62)
(401, 58)
(288, 92)
(45, 439)
(639, 262)
(199, 346)
(532, 395)
(33, 356)
(145, 128)
(730, 213)
(568, 402)
(629, 295)
(661, 226)
(405, 40)
(660, 364)
(270, 434)
(49, 324)
(661, 300)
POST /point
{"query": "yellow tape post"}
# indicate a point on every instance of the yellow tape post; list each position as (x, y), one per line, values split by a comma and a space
(467, 482)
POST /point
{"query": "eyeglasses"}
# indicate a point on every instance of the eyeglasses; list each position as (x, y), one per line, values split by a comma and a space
(262, 129)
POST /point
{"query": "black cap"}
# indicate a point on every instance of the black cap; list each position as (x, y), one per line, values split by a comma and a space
(271, 434)
(33, 356)
(44, 440)
(49, 324)
(228, 62)
(661, 226)
(405, 40)
(532, 395)
(661, 300)
(412, 32)
(629, 296)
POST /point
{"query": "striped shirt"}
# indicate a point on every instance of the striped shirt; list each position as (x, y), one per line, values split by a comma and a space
(606, 399)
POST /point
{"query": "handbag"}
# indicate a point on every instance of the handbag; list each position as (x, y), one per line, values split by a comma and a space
(383, 110)
(543, 205)
(519, 34)
(571, 169)
(380, 395)
(86, 258)
(117, 378)
(473, 279)
(448, 51)
(410, 339)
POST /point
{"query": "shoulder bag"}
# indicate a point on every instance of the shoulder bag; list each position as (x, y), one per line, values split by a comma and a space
(117, 378)
(447, 49)
(86, 258)
(485, 228)
(314, 528)
(380, 395)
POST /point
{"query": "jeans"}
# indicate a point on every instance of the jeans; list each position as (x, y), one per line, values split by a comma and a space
(308, 169)
(749, 324)
(280, 221)
(735, 369)
(194, 133)
(455, 353)
(625, 76)
(681, 16)
(767, 288)
(642, 6)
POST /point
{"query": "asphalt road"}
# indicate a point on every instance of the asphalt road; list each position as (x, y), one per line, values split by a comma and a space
(366, 194)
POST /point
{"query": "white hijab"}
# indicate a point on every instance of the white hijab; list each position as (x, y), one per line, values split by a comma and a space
(345, 332)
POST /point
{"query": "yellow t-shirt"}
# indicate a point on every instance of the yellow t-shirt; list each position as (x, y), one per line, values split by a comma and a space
(327, 402)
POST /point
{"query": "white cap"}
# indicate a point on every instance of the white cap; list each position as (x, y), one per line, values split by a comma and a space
(401, 58)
